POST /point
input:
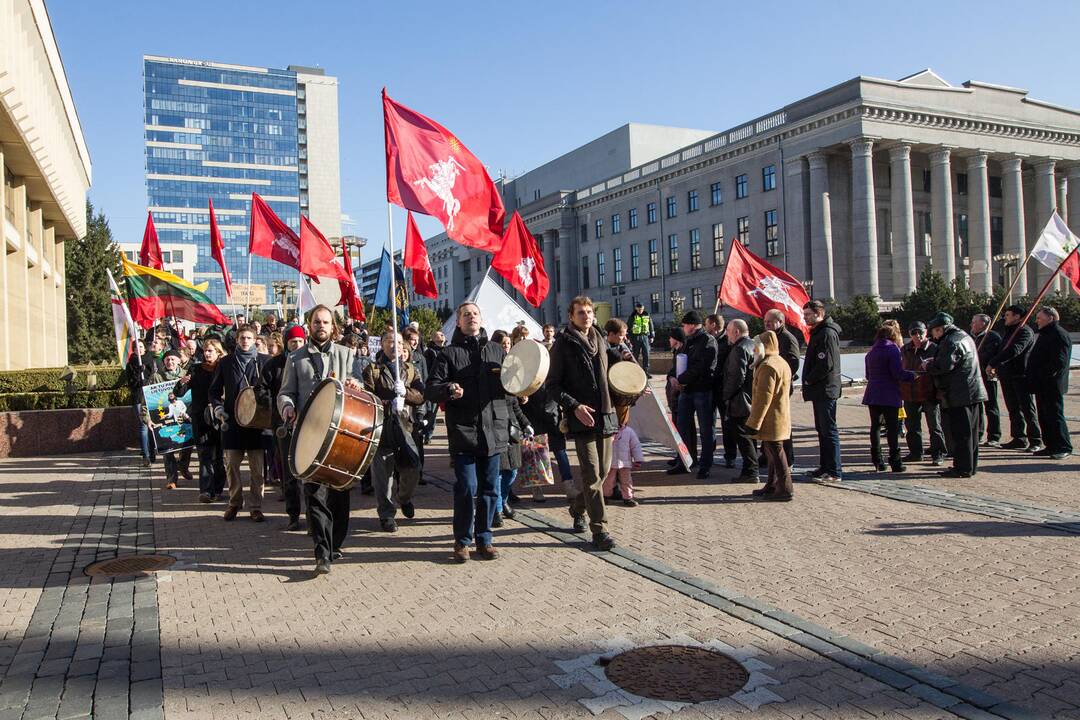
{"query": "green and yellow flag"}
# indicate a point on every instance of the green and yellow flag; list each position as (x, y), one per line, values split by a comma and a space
(154, 294)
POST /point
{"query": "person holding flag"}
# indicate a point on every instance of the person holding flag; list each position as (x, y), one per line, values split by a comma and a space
(1048, 378)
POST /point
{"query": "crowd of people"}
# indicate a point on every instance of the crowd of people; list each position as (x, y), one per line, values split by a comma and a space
(942, 376)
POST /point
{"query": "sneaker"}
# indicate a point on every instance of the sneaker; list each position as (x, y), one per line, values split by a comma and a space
(257, 516)
(204, 497)
(937, 461)
(461, 553)
(630, 502)
(827, 478)
(602, 541)
(487, 552)
(579, 524)
(337, 555)
(1045, 452)
(991, 443)
(230, 513)
(1015, 445)
(1036, 448)
(1060, 455)
(388, 525)
(408, 510)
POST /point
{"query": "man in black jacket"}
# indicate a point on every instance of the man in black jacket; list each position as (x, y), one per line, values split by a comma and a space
(789, 352)
(466, 379)
(577, 379)
(821, 386)
(1048, 377)
(1009, 366)
(738, 384)
(431, 352)
(955, 367)
(695, 386)
(989, 343)
(714, 325)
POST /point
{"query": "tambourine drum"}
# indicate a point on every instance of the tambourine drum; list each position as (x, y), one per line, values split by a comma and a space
(249, 413)
(627, 381)
(336, 435)
(525, 368)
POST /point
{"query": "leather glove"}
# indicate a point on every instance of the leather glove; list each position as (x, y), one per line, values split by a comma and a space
(399, 389)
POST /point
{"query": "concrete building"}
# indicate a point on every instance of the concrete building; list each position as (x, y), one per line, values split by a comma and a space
(47, 172)
(222, 131)
(854, 190)
(367, 279)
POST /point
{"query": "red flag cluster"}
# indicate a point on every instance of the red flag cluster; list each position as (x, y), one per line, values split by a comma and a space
(310, 252)
(520, 261)
(350, 297)
(755, 287)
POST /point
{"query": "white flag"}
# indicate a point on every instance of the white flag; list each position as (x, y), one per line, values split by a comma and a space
(1055, 243)
(123, 325)
(307, 300)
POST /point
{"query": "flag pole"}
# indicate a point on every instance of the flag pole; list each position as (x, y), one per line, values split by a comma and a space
(1038, 299)
(393, 285)
(1005, 299)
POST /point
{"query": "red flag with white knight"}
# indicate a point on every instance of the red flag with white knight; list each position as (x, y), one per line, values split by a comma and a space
(350, 298)
(1071, 269)
(150, 252)
(217, 250)
(271, 237)
(755, 287)
(429, 171)
(416, 259)
(316, 253)
(520, 261)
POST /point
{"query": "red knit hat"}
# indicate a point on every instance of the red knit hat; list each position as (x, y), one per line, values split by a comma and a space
(296, 331)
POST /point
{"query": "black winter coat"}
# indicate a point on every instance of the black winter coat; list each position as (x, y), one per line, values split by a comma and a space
(199, 384)
(574, 379)
(789, 352)
(542, 412)
(955, 368)
(989, 344)
(739, 379)
(1011, 361)
(478, 423)
(271, 375)
(723, 348)
(821, 368)
(136, 374)
(1048, 363)
(700, 349)
(223, 391)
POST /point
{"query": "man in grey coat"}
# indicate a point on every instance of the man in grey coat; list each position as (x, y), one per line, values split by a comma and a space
(958, 379)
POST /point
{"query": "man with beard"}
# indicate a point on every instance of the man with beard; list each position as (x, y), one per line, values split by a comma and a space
(305, 368)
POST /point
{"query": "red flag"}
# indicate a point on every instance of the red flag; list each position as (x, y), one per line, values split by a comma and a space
(1071, 269)
(150, 252)
(270, 237)
(520, 261)
(755, 287)
(429, 171)
(349, 297)
(316, 254)
(217, 249)
(416, 258)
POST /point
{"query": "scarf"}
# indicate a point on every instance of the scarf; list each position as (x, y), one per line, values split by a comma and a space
(244, 361)
(593, 344)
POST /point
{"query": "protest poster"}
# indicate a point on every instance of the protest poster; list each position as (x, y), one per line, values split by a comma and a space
(170, 424)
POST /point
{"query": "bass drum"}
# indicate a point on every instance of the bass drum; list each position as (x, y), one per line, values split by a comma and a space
(336, 435)
(249, 413)
(525, 368)
(627, 381)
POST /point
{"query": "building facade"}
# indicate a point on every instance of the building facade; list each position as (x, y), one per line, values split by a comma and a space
(46, 173)
(220, 131)
(854, 190)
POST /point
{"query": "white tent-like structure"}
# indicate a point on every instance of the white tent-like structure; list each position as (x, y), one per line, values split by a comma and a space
(498, 310)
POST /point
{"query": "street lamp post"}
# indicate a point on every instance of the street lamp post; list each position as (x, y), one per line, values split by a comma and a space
(1008, 262)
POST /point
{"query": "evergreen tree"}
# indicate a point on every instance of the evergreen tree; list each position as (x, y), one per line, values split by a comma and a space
(89, 309)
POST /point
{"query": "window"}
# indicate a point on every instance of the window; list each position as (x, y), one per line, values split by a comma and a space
(477, 265)
(654, 302)
(650, 213)
(961, 183)
(178, 256)
(632, 217)
(166, 256)
(673, 253)
(558, 280)
(715, 196)
(926, 180)
(616, 224)
(772, 234)
(768, 178)
(695, 296)
(717, 244)
(584, 232)
(994, 186)
(922, 241)
(618, 307)
(599, 228)
(997, 235)
(585, 272)
(654, 259)
(601, 270)
(691, 201)
(962, 231)
(742, 230)
(616, 259)
(673, 298)
(672, 207)
(635, 262)
(695, 249)
(741, 187)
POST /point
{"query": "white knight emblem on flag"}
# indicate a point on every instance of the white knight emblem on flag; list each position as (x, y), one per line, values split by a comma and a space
(524, 271)
(443, 176)
(285, 244)
(776, 290)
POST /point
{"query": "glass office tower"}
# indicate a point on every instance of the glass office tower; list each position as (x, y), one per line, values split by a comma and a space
(222, 131)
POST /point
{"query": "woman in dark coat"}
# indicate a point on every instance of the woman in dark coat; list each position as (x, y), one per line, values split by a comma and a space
(884, 373)
(207, 436)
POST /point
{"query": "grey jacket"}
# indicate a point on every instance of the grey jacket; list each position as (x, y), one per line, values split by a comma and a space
(955, 369)
(300, 377)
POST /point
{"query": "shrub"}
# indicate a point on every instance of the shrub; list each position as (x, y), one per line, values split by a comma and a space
(58, 400)
(859, 319)
(51, 379)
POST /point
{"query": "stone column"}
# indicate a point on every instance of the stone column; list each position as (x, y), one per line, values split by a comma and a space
(798, 250)
(1073, 219)
(979, 252)
(903, 221)
(821, 257)
(864, 251)
(5, 322)
(549, 266)
(1045, 204)
(1063, 197)
(1012, 201)
(61, 292)
(943, 252)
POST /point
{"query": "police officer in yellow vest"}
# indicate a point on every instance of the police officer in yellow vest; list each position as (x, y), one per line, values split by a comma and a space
(641, 334)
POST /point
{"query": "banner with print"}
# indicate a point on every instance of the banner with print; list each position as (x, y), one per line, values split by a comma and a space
(169, 421)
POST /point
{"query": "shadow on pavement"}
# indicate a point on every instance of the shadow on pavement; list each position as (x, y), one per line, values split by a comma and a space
(973, 528)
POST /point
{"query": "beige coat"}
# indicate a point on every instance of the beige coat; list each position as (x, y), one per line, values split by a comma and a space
(770, 407)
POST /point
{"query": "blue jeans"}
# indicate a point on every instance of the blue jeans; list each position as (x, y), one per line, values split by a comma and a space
(698, 405)
(506, 479)
(148, 451)
(476, 479)
(828, 436)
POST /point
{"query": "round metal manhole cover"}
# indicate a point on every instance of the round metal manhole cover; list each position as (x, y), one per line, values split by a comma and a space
(130, 565)
(677, 673)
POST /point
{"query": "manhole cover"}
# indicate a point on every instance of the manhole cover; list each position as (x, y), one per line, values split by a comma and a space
(130, 565)
(677, 673)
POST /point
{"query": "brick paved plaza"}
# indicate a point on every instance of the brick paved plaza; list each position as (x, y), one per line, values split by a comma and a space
(887, 596)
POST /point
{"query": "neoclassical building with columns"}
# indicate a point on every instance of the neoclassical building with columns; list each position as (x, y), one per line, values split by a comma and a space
(854, 190)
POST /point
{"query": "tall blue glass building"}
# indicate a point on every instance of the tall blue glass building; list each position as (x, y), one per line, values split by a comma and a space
(219, 131)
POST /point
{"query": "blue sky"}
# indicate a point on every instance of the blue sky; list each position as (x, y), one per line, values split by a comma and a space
(521, 86)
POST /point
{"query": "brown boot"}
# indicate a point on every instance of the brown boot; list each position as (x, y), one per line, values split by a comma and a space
(230, 513)
(461, 553)
(487, 552)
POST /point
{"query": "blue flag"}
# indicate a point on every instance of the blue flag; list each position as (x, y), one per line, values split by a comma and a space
(382, 289)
